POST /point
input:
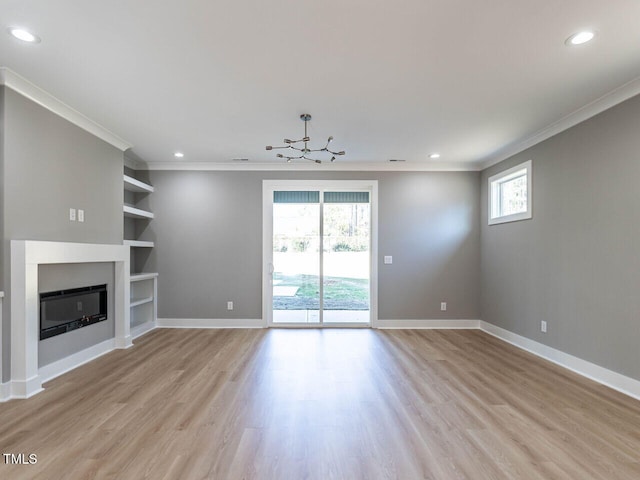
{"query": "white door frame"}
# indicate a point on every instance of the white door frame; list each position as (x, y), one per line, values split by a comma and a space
(268, 187)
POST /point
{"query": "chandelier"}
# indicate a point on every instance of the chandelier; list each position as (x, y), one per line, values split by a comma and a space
(304, 153)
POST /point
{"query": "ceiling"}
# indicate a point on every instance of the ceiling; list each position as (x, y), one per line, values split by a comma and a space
(220, 80)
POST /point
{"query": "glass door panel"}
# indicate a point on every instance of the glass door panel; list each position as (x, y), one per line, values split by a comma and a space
(296, 258)
(346, 257)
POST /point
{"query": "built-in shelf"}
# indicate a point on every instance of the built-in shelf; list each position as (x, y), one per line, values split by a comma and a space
(143, 291)
(143, 302)
(138, 243)
(133, 212)
(134, 185)
(138, 277)
(140, 301)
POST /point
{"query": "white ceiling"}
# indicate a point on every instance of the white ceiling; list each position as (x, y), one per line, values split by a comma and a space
(472, 79)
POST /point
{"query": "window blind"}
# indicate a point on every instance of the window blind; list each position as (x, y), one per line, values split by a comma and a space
(296, 197)
(346, 197)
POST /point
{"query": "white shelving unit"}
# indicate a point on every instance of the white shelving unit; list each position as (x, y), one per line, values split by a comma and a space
(134, 185)
(133, 212)
(138, 243)
(143, 301)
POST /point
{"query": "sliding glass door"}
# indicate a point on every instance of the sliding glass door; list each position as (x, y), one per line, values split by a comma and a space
(346, 246)
(319, 256)
(296, 254)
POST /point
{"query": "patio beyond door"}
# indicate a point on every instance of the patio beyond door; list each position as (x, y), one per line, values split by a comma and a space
(320, 268)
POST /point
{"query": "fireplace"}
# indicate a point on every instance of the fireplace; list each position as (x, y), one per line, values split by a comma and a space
(65, 310)
(26, 257)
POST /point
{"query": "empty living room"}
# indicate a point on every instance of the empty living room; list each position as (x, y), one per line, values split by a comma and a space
(320, 240)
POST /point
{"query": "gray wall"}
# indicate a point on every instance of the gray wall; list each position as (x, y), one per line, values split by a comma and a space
(2, 115)
(49, 166)
(208, 234)
(575, 264)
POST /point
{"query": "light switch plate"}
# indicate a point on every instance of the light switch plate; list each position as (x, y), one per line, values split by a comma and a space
(80, 215)
(72, 214)
(388, 259)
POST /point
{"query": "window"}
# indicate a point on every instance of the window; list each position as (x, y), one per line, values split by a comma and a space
(510, 194)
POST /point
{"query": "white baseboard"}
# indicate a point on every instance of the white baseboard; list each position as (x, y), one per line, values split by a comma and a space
(5, 391)
(57, 368)
(22, 389)
(627, 385)
(614, 380)
(425, 324)
(210, 323)
(140, 330)
(124, 342)
(25, 388)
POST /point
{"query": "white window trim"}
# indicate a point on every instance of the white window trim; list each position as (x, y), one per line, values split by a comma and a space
(268, 187)
(504, 176)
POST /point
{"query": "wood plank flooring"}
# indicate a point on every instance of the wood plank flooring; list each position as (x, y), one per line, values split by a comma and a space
(314, 404)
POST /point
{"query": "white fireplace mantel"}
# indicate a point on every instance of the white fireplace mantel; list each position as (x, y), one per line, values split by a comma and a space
(26, 255)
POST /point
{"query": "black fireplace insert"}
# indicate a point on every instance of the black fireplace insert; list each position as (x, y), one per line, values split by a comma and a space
(65, 310)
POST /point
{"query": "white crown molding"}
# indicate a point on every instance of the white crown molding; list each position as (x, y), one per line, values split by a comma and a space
(37, 95)
(599, 105)
(313, 167)
(623, 384)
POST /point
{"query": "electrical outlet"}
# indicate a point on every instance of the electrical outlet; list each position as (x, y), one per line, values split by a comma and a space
(229, 305)
(80, 215)
(543, 326)
(443, 306)
(388, 259)
(72, 214)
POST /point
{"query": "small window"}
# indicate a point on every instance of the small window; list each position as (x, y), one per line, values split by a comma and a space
(510, 194)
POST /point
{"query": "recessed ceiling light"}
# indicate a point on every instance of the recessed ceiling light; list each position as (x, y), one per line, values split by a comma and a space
(24, 35)
(178, 154)
(580, 38)
(433, 156)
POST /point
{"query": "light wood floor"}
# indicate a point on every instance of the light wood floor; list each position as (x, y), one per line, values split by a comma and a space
(313, 404)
